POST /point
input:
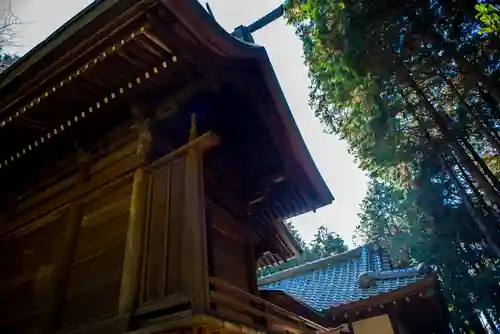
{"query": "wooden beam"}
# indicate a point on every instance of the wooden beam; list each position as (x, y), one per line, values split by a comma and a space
(77, 52)
(63, 267)
(194, 237)
(131, 272)
(169, 105)
(203, 143)
(157, 41)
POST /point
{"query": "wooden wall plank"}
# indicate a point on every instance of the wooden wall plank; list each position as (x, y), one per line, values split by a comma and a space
(156, 261)
(176, 227)
(231, 253)
(28, 274)
(62, 193)
(194, 239)
(130, 280)
(229, 259)
(63, 267)
(94, 284)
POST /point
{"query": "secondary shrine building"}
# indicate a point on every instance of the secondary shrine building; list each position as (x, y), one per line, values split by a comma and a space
(148, 161)
(359, 292)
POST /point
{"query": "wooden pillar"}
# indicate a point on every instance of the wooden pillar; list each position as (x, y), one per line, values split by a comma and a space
(68, 246)
(63, 267)
(131, 272)
(194, 237)
(396, 322)
(251, 267)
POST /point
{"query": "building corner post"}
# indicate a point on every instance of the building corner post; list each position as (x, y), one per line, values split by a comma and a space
(132, 263)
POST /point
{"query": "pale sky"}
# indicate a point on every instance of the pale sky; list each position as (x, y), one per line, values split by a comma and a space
(345, 180)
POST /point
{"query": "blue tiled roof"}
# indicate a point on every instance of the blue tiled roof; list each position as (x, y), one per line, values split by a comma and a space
(336, 280)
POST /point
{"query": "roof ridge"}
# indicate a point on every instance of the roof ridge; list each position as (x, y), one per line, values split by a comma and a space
(367, 278)
(311, 266)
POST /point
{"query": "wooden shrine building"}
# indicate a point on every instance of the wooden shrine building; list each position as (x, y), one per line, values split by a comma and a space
(148, 161)
(359, 292)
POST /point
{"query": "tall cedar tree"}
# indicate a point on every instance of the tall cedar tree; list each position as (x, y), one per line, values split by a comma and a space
(413, 87)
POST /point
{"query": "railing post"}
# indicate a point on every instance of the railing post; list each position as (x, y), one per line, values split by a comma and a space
(195, 265)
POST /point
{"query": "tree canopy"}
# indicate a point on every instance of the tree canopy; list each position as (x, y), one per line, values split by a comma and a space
(413, 88)
(7, 36)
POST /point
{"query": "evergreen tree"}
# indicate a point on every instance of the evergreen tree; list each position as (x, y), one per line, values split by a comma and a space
(413, 87)
(324, 244)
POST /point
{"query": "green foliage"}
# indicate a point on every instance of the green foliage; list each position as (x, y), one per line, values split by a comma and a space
(6, 60)
(489, 16)
(413, 89)
(324, 244)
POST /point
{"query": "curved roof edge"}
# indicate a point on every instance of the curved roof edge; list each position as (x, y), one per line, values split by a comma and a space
(202, 24)
(54, 39)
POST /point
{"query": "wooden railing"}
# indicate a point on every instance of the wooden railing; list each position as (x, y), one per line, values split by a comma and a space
(255, 311)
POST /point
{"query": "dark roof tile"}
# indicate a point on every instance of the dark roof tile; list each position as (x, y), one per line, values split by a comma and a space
(337, 282)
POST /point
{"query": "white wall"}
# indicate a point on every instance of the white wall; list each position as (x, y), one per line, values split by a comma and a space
(375, 325)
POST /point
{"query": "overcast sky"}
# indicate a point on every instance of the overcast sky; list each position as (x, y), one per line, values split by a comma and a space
(344, 179)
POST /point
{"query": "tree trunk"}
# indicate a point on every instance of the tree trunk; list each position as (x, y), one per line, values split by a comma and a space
(448, 135)
(481, 124)
(490, 102)
(490, 322)
(468, 68)
(485, 169)
(475, 190)
(443, 127)
(491, 236)
(475, 324)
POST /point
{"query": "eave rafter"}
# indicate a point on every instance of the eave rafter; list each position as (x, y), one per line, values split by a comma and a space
(96, 106)
(31, 106)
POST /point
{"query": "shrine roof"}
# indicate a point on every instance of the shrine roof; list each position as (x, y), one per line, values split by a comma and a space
(65, 55)
(118, 53)
(355, 275)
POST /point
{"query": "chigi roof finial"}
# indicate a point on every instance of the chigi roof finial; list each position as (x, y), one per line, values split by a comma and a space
(245, 32)
(209, 10)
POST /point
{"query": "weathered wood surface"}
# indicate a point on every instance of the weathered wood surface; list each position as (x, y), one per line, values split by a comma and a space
(62, 250)
(164, 253)
(28, 261)
(94, 286)
(255, 308)
(101, 173)
(175, 255)
(132, 262)
(194, 236)
(133, 248)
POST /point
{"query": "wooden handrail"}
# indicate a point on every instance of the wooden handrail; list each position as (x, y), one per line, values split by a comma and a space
(269, 306)
(237, 305)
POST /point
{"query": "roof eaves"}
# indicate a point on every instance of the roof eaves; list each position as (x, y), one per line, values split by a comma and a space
(217, 38)
(77, 22)
(420, 284)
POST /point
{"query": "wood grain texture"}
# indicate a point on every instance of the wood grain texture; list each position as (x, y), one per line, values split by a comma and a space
(130, 280)
(96, 274)
(29, 271)
(194, 237)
